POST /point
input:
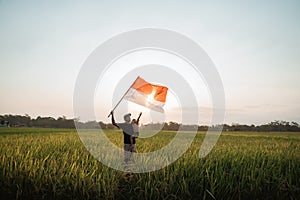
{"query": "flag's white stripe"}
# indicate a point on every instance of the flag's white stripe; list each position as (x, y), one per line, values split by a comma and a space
(142, 99)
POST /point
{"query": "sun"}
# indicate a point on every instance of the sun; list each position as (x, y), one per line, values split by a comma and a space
(150, 97)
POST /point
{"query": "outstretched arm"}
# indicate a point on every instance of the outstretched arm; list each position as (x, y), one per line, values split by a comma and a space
(138, 119)
(113, 120)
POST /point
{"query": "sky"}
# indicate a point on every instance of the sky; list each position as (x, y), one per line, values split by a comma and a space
(254, 45)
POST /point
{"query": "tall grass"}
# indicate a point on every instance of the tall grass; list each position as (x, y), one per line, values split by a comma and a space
(53, 164)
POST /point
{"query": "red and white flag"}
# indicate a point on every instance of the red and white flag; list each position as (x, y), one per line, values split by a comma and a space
(146, 94)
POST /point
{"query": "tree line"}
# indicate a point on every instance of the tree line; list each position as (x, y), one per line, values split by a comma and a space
(63, 122)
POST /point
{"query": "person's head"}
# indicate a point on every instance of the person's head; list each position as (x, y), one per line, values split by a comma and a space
(133, 121)
(127, 118)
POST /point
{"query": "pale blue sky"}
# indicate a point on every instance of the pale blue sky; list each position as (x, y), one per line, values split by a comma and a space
(255, 46)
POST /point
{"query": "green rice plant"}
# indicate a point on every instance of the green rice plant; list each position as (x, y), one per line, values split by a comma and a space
(54, 164)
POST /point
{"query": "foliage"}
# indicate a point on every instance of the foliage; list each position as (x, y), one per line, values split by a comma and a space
(63, 122)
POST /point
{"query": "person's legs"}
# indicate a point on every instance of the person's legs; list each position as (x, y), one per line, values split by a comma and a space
(132, 152)
(127, 152)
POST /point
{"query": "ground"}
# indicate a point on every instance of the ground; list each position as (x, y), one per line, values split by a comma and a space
(53, 164)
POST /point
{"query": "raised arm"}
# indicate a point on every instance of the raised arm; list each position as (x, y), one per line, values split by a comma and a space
(138, 119)
(113, 120)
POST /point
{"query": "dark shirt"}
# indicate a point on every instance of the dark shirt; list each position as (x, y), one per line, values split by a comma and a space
(127, 132)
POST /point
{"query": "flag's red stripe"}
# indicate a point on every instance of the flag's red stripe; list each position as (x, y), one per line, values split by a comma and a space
(147, 88)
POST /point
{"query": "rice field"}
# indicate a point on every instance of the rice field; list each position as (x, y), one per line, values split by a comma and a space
(54, 164)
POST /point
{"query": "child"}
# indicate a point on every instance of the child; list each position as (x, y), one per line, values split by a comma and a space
(135, 126)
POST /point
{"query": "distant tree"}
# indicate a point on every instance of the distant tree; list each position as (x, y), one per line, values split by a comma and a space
(64, 122)
(295, 124)
(103, 125)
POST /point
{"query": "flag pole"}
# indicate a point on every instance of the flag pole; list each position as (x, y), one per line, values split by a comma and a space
(122, 97)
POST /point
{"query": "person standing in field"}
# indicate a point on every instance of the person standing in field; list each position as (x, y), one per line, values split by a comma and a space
(128, 133)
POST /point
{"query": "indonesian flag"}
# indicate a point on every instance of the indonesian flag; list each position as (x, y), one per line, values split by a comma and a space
(146, 94)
